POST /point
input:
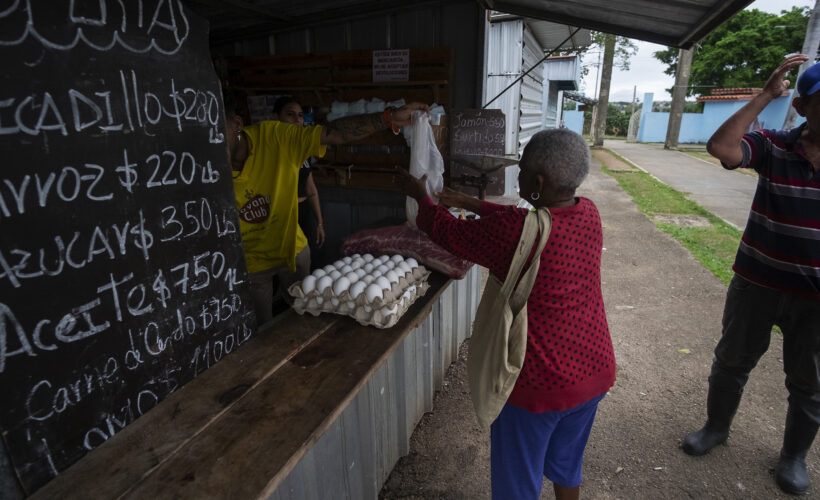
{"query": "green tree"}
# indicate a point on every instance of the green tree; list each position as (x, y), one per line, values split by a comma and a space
(744, 51)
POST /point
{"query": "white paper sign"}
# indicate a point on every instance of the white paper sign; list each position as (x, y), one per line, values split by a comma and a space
(391, 65)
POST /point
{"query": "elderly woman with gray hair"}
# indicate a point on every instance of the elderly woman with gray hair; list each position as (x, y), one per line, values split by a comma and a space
(569, 363)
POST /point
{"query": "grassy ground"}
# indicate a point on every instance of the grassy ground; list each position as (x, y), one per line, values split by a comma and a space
(713, 246)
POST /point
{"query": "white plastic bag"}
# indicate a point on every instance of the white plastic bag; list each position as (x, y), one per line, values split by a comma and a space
(425, 158)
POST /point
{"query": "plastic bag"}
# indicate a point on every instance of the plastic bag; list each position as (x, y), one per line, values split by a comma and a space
(425, 158)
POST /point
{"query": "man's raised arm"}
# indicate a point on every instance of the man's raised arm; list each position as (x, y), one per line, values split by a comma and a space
(725, 142)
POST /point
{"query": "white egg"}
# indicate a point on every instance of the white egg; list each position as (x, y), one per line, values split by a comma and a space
(328, 268)
(382, 269)
(384, 258)
(368, 267)
(368, 309)
(346, 269)
(397, 258)
(373, 291)
(323, 283)
(389, 310)
(403, 267)
(383, 282)
(347, 260)
(335, 274)
(334, 301)
(351, 305)
(308, 284)
(368, 279)
(412, 262)
(360, 272)
(357, 288)
(357, 263)
(352, 277)
(318, 273)
(319, 300)
(341, 285)
(392, 276)
(367, 257)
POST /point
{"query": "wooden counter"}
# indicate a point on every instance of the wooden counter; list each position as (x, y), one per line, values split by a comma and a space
(312, 407)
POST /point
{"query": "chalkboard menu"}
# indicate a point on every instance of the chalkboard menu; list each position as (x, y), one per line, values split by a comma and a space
(122, 275)
(477, 132)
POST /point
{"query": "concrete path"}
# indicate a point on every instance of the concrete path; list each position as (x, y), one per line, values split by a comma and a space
(727, 194)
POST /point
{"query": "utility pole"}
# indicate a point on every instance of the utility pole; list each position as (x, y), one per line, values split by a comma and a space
(679, 98)
(598, 72)
(634, 96)
(599, 115)
(810, 44)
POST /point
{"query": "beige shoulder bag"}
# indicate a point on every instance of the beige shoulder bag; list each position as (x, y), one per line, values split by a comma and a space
(499, 339)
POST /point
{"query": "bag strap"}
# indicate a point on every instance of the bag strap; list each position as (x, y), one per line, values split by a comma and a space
(539, 220)
(522, 291)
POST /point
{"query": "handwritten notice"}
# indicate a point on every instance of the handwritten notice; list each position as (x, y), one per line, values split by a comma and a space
(477, 132)
(121, 268)
(391, 65)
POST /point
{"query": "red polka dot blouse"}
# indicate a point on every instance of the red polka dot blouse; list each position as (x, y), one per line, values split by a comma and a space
(569, 358)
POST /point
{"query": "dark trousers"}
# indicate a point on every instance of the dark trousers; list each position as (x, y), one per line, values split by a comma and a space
(751, 311)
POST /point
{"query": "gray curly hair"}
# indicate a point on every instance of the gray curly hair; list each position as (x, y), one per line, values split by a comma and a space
(560, 155)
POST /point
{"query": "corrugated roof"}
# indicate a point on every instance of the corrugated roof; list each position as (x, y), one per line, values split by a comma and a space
(677, 23)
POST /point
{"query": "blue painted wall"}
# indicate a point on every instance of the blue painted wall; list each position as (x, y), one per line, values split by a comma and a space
(574, 120)
(698, 127)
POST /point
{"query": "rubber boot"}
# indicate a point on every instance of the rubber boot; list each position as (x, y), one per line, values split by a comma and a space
(720, 409)
(792, 476)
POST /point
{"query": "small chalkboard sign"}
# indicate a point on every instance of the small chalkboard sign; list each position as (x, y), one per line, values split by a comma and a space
(477, 132)
(122, 275)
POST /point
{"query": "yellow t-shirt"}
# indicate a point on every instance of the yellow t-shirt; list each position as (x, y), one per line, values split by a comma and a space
(266, 194)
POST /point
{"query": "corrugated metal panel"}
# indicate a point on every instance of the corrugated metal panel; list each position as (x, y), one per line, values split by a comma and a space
(551, 103)
(357, 453)
(426, 25)
(562, 68)
(531, 90)
(504, 62)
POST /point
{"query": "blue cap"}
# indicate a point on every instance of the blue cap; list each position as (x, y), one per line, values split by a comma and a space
(809, 81)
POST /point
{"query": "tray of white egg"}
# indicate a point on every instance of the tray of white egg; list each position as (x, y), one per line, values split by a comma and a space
(375, 291)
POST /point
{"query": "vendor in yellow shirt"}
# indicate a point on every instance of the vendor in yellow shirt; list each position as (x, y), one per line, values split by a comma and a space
(266, 158)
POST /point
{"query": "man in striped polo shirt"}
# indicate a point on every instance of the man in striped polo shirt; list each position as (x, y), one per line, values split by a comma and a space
(777, 272)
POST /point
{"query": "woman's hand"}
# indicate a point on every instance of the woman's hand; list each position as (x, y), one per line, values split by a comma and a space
(456, 199)
(410, 186)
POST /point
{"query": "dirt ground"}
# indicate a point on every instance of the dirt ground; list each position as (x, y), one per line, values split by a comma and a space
(664, 311)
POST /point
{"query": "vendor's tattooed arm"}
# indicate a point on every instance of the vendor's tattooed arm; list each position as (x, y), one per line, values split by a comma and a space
(351, 128)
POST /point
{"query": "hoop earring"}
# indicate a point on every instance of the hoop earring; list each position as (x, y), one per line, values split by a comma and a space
(535, 196)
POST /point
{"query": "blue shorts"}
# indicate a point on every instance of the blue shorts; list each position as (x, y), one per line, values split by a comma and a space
(526, 446)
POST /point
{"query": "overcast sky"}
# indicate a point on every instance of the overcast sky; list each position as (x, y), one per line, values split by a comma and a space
(647, 73)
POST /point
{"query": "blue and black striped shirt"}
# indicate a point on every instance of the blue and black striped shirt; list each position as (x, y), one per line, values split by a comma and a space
(781, 245)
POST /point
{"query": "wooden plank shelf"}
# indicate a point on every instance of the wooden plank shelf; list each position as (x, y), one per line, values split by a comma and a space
(241, 427)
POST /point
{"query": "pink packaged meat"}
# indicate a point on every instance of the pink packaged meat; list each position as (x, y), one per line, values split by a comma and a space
(409, 242)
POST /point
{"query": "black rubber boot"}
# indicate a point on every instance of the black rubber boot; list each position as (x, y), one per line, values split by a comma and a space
(792, 476)
(720, 409)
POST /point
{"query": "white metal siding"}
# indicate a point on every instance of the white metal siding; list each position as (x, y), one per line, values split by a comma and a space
(531, 90)
(429, 25)
(504, 62)
(356, 454)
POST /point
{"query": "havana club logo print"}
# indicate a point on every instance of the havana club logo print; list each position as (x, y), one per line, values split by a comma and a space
(256, 210)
